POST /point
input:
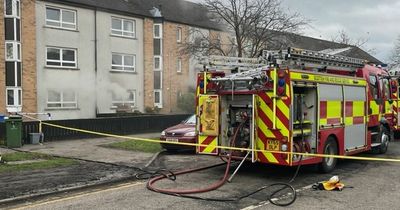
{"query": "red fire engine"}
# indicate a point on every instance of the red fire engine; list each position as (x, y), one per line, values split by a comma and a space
(295, 101)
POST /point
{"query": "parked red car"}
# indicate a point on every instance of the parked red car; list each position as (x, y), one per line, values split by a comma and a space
(183, 132)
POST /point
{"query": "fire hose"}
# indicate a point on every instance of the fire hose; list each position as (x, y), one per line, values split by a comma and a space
(185, 192)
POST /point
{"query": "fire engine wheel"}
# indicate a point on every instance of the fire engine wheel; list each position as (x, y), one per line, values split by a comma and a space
(384, 137)
(328, 163)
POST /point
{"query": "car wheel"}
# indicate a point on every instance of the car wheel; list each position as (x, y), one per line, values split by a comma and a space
(328, 163)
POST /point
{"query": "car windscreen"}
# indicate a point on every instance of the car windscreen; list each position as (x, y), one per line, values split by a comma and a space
(190, 120)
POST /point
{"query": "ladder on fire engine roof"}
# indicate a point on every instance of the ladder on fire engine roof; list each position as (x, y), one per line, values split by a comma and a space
(308, 59)
(231, 63)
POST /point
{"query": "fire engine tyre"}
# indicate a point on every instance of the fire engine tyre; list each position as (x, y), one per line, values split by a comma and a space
(328, 163)
(384, 137)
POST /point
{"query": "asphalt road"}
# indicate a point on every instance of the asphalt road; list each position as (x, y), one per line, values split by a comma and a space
(371, 185)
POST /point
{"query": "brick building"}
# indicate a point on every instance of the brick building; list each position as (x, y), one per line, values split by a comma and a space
(81, 58)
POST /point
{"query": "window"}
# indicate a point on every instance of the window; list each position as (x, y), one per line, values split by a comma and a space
(373, 86)
(13, 51)
(386, 88)
(122, 62)
(122, 27)
(61, 99)
(157, 31)
(127, 98)
(12, 8)
(179, 35)
(61, 57)
(179, 65)
(158, 98)
(14, 96)
(157, 62)
(60, 18)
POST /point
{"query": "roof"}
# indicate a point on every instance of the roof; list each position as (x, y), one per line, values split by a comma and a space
(309, 43)
(189, 13)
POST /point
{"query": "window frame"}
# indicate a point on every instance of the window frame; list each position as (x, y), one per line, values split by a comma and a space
(61, 49)
(161, 31)
(123, 66)
(17, 96)
(179, 65)
(16, 51)
(161, 63)
(62, 102)
(60, 21)
(160, 104)
(179, 34)
(132, 103)
(15, 11)
(122, 30)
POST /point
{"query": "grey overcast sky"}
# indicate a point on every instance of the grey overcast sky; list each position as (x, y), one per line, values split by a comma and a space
(376, 20)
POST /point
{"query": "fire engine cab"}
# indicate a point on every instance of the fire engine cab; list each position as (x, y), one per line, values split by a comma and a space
(294, 101)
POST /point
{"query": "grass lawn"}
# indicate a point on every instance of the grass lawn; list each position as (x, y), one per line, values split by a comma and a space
(46, 162)
(136, 146)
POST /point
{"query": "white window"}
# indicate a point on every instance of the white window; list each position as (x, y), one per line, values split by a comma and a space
(157, 62)
(124, 99)
(61, 57)
(14, 96)
(158, 98)
(179, 65)
(123, 62)
(157, 31)
(179, 34)
(12, 8)
(122, 27)
(13, 51)
(60, 18)
(62, 99)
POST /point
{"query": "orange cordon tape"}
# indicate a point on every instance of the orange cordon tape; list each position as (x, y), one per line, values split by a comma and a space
(222, 147)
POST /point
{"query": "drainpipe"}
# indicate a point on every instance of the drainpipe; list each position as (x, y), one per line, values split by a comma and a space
(95, 59)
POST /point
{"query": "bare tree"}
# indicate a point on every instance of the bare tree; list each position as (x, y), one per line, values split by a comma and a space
(395, 54)
(253, 24)
(343, 37)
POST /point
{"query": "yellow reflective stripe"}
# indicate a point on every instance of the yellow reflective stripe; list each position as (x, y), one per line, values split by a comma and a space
(374, 107)
(349, 121)
(358, 108)
(327, 79)
(334, 109)
(323, 121)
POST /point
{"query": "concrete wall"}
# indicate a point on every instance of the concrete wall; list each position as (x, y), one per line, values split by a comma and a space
(93, 86)
(118, 82)
(80, 79)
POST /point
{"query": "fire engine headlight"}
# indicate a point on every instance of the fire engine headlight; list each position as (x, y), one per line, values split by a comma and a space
(163, 133)
(190, 134)
(284, 147)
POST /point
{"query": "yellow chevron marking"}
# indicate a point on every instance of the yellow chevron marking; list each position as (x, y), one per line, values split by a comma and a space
(270, 157)
(267, 132)
(210, 147)
(269, 113)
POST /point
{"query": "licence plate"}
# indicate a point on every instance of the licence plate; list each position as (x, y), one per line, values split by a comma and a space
(171, 140)
(273, 145)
